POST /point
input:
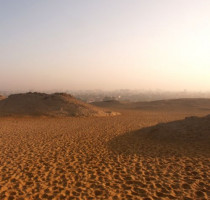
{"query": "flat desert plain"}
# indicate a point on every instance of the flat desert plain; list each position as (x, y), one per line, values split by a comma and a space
(140, 154)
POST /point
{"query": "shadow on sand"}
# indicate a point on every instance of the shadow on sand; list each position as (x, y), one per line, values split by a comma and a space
(188, 137)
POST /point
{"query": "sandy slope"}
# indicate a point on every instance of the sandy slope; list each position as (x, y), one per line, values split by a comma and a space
(1, 97)
(171, 104)
(58, 104)
(104, 158)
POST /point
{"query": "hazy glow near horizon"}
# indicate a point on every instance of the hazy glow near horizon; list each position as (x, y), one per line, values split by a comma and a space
(91, 44)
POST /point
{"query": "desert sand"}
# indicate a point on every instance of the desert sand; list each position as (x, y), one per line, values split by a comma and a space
(140, 154)
(190, 104)
(1, 97)
(41, 104)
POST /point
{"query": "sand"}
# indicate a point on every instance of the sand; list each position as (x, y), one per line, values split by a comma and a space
(188, 104)
(113, 157)
(58, 104)
(2, 97)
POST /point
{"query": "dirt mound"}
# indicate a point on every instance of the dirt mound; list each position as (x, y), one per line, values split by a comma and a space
(58, 104)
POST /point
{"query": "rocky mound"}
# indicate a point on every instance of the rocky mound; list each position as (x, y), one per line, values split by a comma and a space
(58, 104)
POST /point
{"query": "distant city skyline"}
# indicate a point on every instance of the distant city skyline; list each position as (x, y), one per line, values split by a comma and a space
(107, 45)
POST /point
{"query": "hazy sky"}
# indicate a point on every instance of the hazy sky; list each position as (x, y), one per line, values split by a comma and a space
(105, 44)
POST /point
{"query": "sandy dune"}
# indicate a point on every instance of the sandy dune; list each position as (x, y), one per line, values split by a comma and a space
(174, 104)
(58, 104)
(109, 103)
(171, 104)
(1, 97)
(189, 136)
(136, 155)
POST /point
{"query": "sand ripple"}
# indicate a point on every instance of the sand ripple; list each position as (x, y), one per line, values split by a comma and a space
(71, 158)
